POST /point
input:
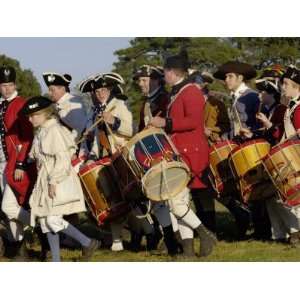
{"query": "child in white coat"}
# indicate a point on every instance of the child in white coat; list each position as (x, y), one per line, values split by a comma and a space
(57, 191)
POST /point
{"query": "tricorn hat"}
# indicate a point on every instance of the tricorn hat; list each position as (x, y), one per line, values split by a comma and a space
(237, 67)
(52, 78)
(155, 72)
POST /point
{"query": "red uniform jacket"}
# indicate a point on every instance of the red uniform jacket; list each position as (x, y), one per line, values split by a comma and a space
(187, 113)
(18, 140)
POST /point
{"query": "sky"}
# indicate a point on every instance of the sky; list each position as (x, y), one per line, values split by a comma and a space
(79, 57)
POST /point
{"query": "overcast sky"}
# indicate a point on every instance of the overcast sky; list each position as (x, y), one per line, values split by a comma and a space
(79, 57)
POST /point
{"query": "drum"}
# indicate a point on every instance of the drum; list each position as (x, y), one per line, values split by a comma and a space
(78, 162)
(129, 184)
(246, 163)
(283, 166)
(102, 191)
(155, 162)
(218, 163)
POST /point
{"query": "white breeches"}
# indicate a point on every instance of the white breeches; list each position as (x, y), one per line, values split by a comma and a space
(53, 224)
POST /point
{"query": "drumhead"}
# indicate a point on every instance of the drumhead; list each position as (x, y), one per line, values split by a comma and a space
(165, 180)
(142, 134)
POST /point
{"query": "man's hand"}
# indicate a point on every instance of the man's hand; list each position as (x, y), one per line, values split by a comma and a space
(51, 190)
(246, 133)
(207, 131)
(108, 118)
(264, 120)
(18, 175)
(158, 122)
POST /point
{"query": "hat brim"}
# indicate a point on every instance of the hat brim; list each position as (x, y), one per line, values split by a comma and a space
(244, 69)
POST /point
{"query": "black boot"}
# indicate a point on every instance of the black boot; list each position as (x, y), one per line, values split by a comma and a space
(170, 240)
(2, 248)
(205, 207)
(45, 248)
(151, 241)
(21, 251)
(179, 241)
(188, 247)
(241, 215)
(207, 240)
(135, 241)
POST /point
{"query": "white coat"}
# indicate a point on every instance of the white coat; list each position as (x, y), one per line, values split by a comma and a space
(52, 148)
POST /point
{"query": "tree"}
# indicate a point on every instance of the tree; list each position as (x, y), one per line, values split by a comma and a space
(204, 54)
(26, 82)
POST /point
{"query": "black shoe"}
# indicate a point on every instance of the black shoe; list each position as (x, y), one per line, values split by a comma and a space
(207, 240)
(21, 252)
(170, 241)
(179, 241)
(294, 239)
(2, 248)
(87, 252)
(45, 248)
(135, 241)
(152, 241)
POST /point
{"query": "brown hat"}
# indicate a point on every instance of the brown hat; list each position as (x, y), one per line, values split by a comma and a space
(237, 67)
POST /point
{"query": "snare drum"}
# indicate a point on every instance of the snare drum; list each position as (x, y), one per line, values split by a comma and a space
(218, 163)
(246, 163)
(154, 160)
(283, 166)
(102, 192)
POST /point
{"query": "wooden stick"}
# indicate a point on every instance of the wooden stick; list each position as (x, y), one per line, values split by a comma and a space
(84, 135)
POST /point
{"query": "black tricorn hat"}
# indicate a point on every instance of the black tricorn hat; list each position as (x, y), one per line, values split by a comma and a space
(237, 67)
(7, 74)
(293, 74)
(36, 104)
(155, 72)
(52, 78)
(86, 86)
(107, 80)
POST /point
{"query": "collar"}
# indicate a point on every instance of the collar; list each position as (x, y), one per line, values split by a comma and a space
(13, 96)
(49, 123)
(240, 90)
(63, 99)
(153, 95)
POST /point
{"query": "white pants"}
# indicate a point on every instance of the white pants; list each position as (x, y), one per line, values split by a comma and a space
(187, 219)
(18, 217)
(53, 224)
(284, 220)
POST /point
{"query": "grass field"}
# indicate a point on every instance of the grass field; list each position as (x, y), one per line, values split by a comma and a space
(227, 249)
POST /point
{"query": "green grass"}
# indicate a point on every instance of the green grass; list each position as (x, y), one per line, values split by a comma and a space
(227, 249)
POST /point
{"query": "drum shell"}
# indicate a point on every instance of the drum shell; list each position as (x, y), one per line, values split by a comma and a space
(248, 156)
(223, 179)
(283, 167)
(102, 192)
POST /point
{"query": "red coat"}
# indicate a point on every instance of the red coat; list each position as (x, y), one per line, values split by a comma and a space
(187, 113)
(18, 134)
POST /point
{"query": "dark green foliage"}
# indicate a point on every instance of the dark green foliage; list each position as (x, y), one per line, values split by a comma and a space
(27, 84)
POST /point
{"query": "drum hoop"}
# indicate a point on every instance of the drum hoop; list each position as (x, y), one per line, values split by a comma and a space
(219, 145)
(139, 136)
(247, 144)
(284, 145)
(87, 169)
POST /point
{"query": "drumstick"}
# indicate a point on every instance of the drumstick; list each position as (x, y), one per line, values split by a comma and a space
(84, 135)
